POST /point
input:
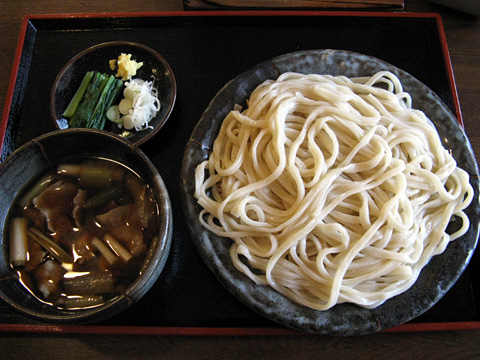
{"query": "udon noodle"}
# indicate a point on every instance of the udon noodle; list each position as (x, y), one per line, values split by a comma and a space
(333, 189)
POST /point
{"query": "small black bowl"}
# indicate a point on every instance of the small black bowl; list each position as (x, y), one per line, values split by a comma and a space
(31, 160)
(97, 57)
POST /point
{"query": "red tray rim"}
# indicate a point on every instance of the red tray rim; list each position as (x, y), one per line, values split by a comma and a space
(226, 331)
(215, 331)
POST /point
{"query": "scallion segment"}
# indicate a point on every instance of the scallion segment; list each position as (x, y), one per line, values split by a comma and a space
(41, 185)
(93, 283)
(104, 197)
(105, 251)
(78, 302)
(51, 246)
(18, 241)
(91, 175)
(118, 248)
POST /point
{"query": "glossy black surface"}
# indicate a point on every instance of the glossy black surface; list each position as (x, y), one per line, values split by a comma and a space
(205, 52)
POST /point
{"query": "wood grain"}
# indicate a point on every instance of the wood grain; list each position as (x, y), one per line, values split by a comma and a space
(451, 345)
(318, 4)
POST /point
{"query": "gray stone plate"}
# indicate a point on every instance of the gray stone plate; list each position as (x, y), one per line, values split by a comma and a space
(344, 319)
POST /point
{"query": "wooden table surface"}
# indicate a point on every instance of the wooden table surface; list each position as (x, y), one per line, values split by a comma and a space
(463, 38)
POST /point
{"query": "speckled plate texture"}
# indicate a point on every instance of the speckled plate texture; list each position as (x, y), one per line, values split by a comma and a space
(344, 319)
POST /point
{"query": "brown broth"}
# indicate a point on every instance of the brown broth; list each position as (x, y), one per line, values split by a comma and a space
(89, 227)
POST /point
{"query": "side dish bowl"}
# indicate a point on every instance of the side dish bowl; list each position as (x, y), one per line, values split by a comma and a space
(97, 58)
(32, 159)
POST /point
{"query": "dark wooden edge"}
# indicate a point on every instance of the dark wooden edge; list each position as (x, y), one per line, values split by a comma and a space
(214, 331)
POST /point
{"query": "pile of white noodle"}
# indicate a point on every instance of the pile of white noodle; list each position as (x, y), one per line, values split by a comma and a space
(332, 189)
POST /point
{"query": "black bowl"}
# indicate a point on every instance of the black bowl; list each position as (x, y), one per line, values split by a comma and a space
(32, 159)
(97, 58)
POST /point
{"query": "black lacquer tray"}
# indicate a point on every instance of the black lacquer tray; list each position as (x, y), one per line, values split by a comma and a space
(205, 51)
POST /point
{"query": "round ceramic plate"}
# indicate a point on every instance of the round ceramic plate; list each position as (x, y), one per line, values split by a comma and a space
(97, 57)
(343, 319)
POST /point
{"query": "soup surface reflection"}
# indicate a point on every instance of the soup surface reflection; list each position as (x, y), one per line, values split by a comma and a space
(79, 235)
